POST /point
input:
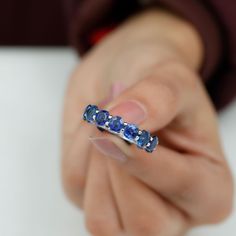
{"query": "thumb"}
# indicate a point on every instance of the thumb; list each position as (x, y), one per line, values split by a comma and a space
(152, 102)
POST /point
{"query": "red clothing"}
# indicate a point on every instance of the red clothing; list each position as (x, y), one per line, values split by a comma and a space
(31, 22)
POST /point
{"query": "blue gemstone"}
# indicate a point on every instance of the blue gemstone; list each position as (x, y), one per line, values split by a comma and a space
(143, 139)
(102, 117)
(153, 144)
(116, 123)
(131, 131)
(90, 111)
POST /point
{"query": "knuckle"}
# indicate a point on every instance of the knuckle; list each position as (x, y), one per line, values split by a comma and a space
(167, 96)
(100, 226)
(182, 187)
(183, 73)
(168, 93)
(222, 213)
(223, 204)
(180, 78)
(146, 226)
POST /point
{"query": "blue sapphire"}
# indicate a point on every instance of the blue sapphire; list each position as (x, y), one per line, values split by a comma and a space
(90, 111)
(130, 131)
(116, 123)
(153, 144)
(143, 139)
(102, 117)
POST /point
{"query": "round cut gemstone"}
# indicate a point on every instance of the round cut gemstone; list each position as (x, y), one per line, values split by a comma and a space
(116, 123)
(102, 117)
(89, 113)
(152, 145)
(143, 139)
(130, 131)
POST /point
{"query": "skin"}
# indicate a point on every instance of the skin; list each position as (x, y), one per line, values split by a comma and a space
(146, 62)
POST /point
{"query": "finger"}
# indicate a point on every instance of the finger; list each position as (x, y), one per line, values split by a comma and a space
(75, 143)
(183, 179)
(170, 93)
(75, 164)
(153, 101)
(143, 211)
(75, 100)
(80, 93)
(101, 214)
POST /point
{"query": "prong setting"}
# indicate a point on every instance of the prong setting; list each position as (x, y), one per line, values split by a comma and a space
(115, 125)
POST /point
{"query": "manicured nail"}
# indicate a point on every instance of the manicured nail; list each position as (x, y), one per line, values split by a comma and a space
(108, 148)
(131, 111)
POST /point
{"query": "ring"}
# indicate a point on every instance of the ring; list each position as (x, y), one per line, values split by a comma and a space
(115, 125)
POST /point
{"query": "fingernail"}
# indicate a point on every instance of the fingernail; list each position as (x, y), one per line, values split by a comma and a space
(108, 148)
(131, 111)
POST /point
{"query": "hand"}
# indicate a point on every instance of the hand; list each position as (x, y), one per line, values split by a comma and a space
(186, 181)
